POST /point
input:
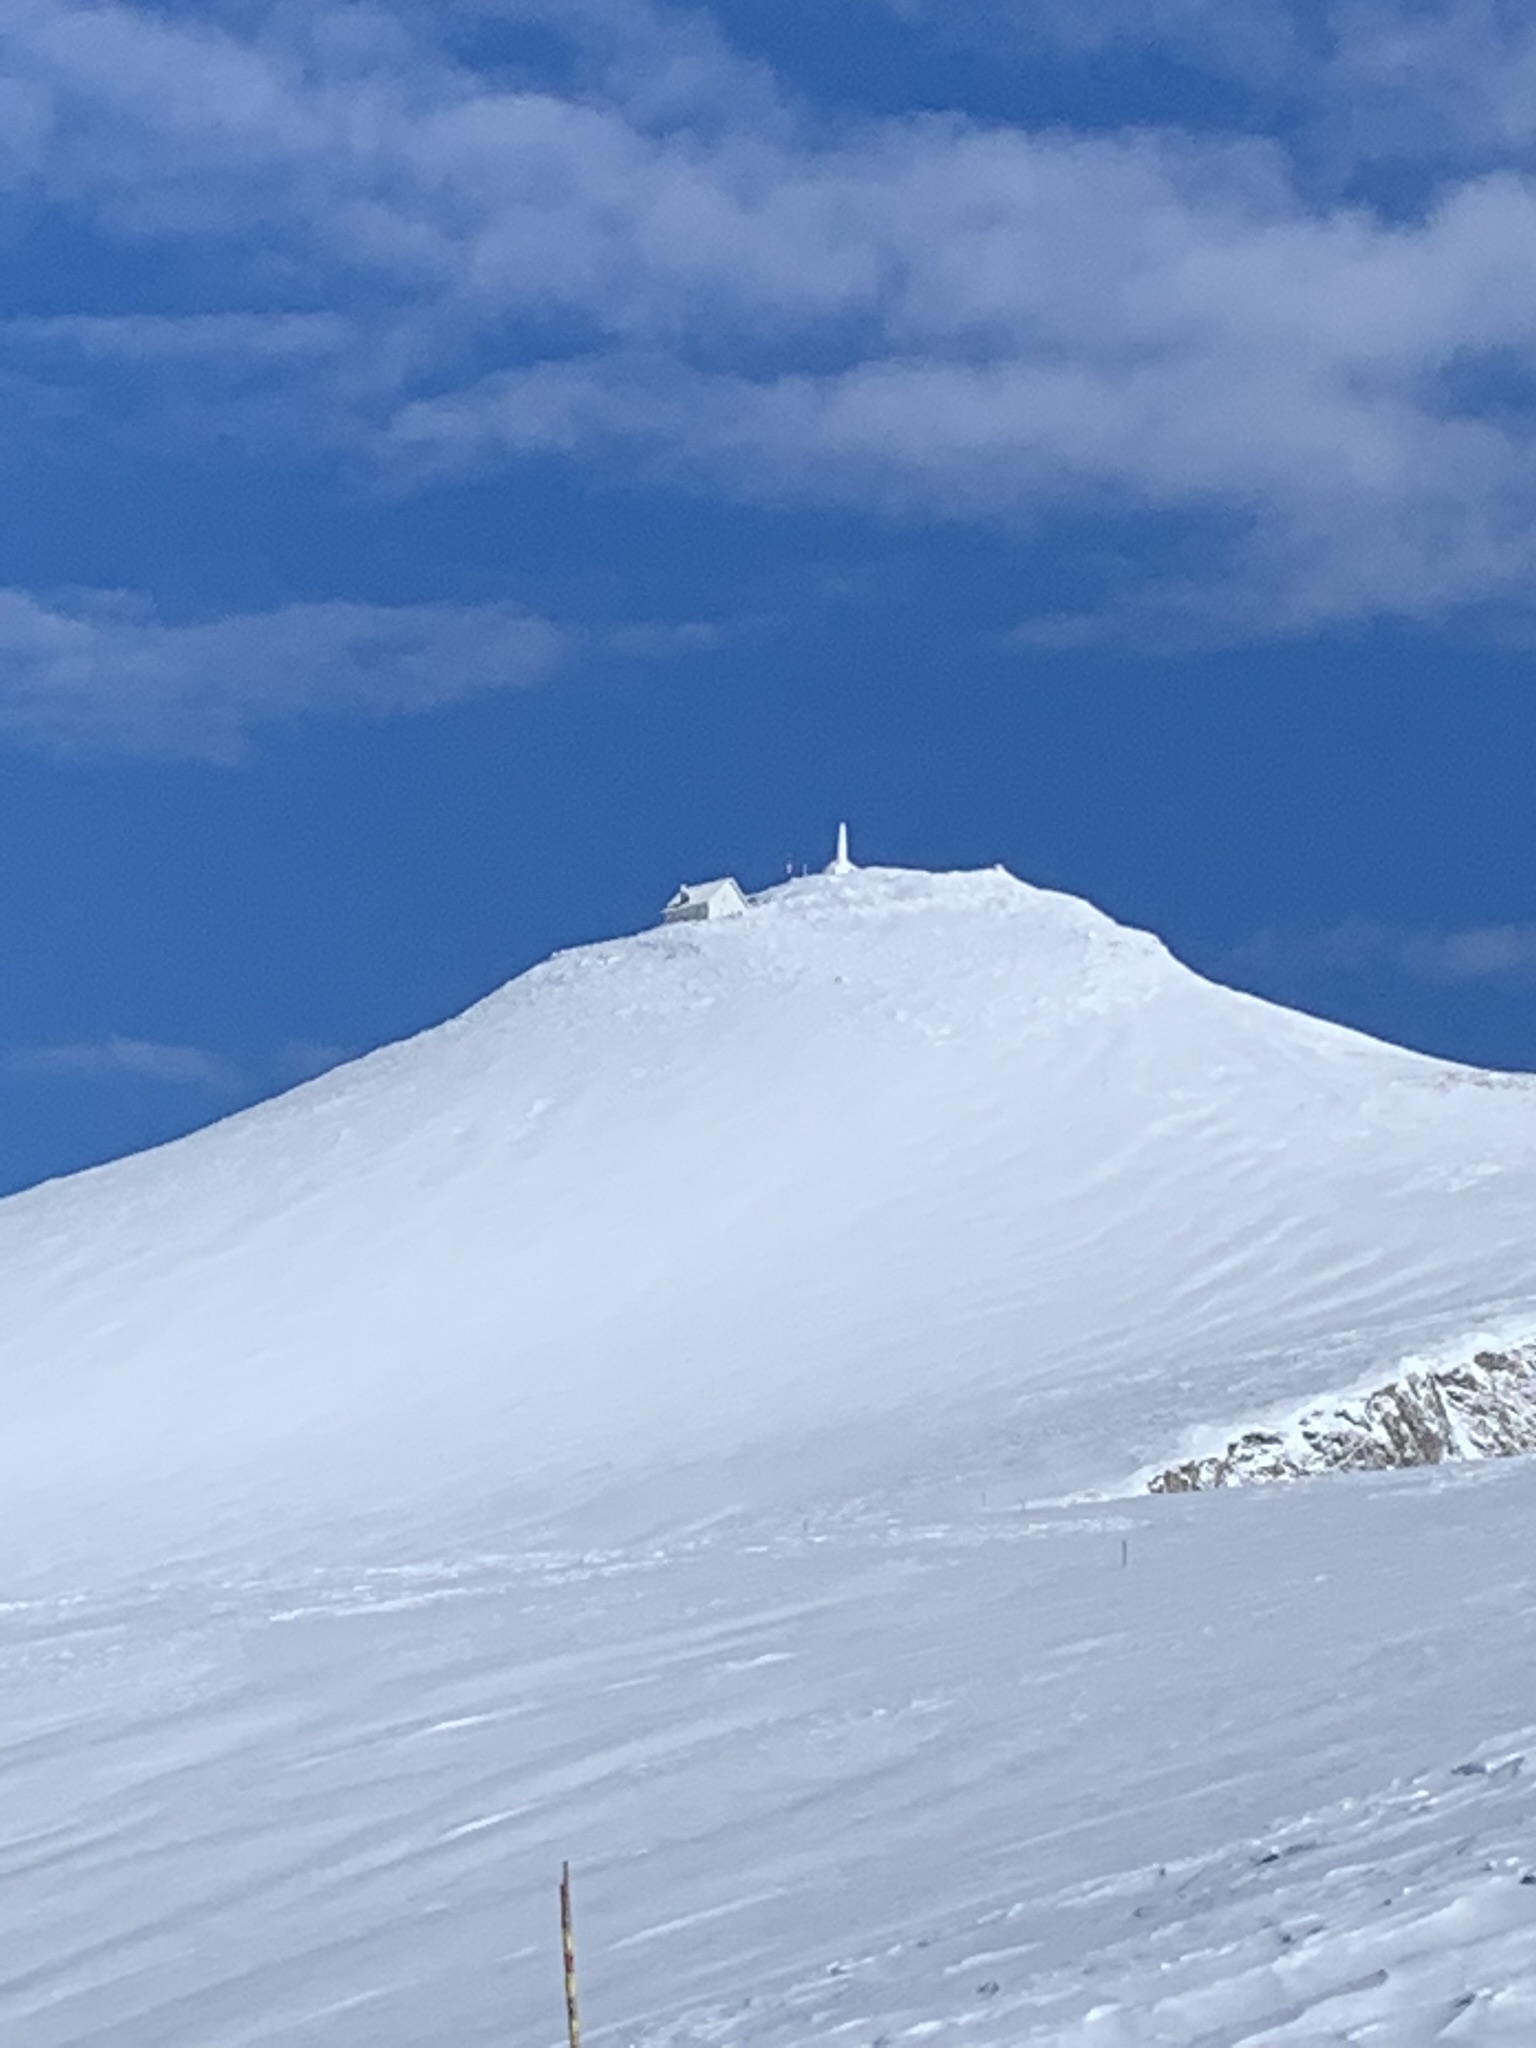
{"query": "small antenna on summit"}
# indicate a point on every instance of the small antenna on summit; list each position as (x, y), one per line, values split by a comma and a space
(841, 864)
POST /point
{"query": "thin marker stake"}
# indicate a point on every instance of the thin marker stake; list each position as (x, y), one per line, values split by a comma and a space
(568, 1946)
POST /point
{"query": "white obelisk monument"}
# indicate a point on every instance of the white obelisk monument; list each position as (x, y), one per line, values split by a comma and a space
(840, 864)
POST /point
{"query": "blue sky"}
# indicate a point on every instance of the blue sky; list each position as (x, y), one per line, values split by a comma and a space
(465, 468)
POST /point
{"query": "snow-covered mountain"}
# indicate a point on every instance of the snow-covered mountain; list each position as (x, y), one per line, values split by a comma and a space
(622, 1423)
(891, 1140)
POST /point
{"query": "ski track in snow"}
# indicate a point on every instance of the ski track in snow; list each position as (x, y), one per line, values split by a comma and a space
(613, 1427)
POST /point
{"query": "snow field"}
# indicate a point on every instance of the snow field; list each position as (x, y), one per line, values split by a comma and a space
(869, 1775)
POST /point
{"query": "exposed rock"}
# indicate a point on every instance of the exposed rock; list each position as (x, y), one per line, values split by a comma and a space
(1485, 1409)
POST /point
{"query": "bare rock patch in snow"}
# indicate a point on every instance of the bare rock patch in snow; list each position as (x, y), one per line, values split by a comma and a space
(1482, 1409)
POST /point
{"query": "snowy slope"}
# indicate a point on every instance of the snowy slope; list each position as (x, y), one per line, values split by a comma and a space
(891, 1138)
(616, 1425)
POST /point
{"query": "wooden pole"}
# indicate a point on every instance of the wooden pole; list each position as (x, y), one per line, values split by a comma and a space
(568, 1946)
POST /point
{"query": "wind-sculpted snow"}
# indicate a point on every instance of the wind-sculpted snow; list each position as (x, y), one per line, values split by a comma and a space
(1482, 1409)
(607, 1427)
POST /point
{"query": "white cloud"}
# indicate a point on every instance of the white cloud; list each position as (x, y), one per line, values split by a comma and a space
(1439, 82)
(122, 1058)
(1480, 953)
(140, 1059)
(176, 340)
(1453, 78)
(1501, 952)
(1260, 40)
(666, 266)
(655, 640)
(103, 670)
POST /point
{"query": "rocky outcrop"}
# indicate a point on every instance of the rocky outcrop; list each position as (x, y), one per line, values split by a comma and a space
(1483, 1409)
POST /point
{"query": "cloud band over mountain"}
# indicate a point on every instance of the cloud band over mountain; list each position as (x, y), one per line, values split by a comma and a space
(103, 670)
(661, 260)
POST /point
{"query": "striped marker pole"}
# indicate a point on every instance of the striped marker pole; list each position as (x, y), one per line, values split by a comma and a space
(568, 1945)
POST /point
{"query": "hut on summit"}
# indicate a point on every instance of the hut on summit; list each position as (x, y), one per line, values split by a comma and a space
(696, 900)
